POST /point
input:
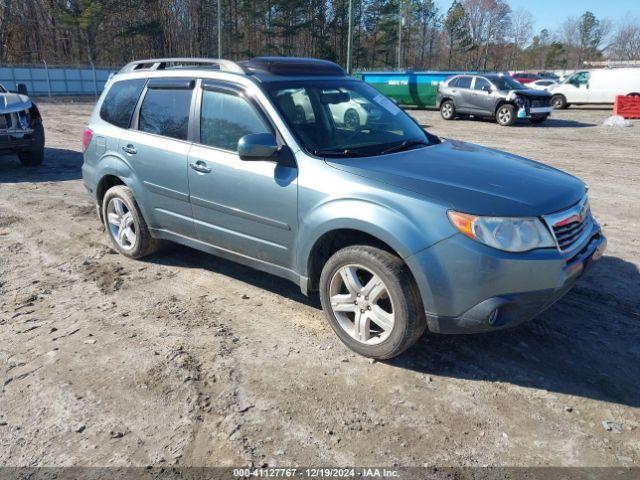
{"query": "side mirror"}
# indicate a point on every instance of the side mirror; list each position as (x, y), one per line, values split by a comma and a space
(22, 89)
(487, 89)
(257, 146)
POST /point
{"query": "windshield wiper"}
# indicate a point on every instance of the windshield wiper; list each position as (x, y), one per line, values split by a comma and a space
(344, 152)
(404, 146)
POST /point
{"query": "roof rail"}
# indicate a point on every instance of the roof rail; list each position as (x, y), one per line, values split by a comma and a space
(162, 63)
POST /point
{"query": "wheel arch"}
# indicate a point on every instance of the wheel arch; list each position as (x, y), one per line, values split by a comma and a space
(500, 103)
(444, 99)
(357, 222)
(114, 171)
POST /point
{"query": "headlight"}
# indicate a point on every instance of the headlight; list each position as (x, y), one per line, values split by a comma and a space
(504, 233)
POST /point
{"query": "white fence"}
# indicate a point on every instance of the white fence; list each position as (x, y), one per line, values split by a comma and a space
(56, 81)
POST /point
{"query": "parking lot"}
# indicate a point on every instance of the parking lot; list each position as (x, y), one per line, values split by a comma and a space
(189, 359)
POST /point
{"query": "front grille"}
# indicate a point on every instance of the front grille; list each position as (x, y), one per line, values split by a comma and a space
(569, 225)
(566, 235)
(539, 102)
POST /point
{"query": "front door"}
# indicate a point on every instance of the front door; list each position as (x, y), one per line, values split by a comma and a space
(156, 148)
(578, 88)
(247, 207)
(482, 100)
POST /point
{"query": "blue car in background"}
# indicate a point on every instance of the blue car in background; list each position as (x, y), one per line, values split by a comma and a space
(399, 231)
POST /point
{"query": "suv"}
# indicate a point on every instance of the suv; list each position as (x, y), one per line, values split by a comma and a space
(494, 96)
(398, 230)
(21, 129)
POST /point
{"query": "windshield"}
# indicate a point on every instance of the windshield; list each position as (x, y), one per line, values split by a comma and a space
(346, 118)
(506, 83)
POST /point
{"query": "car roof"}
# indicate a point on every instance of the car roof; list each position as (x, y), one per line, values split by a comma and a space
(256, 70)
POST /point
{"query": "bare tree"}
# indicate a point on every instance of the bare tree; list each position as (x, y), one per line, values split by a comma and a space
(521, 32)
(626, 40)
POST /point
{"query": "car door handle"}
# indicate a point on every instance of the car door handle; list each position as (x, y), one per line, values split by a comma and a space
(200, 167)
(130, 149)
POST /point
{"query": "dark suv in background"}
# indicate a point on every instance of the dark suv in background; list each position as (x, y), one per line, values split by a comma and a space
(21, 129)
(492, 95)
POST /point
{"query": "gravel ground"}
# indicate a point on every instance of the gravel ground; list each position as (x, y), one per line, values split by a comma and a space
(187, 359)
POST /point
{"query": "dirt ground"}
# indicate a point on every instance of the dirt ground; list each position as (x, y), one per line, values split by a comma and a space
(184, 358)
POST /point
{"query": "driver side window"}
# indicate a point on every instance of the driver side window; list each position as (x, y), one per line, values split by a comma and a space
(481, 84)
(225, 118)
(581, 78)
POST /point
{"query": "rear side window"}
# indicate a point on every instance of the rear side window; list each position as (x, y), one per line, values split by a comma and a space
(227, 117)
(121, 99)
(464, 82)
(166, 112)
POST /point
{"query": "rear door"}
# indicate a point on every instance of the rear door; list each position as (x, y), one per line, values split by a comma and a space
(246, 207)
(157, 148)
(464, 95)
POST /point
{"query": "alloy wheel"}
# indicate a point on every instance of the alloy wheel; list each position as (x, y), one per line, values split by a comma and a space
(447, 110)
(121, 224)
(361, 303)
(504, 115)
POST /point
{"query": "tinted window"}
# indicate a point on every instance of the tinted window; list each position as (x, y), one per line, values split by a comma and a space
(454, 82)
(464, 82)
(120, 102)
(166, 112)
(481, 84)
(225, 118)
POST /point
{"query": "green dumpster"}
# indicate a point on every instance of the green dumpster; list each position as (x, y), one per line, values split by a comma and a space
(410, 89)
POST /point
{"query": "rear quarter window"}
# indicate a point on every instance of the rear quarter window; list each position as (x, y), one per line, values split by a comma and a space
(117, 107)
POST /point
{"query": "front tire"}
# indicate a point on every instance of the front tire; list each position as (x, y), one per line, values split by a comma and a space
(125, 225)
(448, 110)
(371, 301)
(34, 156)
(506, 115)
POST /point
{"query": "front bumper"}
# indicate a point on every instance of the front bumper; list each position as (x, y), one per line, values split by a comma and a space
(467, 287)
(11, 141)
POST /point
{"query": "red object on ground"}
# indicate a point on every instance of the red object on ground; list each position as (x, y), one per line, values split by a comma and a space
(627, 106)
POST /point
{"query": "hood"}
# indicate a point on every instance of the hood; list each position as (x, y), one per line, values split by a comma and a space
(472, 179)
(529, 92)
(13, 102)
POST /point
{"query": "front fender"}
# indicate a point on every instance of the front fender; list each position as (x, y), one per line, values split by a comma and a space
(366, 216)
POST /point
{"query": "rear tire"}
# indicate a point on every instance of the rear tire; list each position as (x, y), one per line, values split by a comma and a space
(34, 156)
(448, 110)
(125, 224)
(559, 102)
(506, 115)
(381, 289)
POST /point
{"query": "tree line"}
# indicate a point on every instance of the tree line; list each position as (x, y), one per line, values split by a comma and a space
(470, 34)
